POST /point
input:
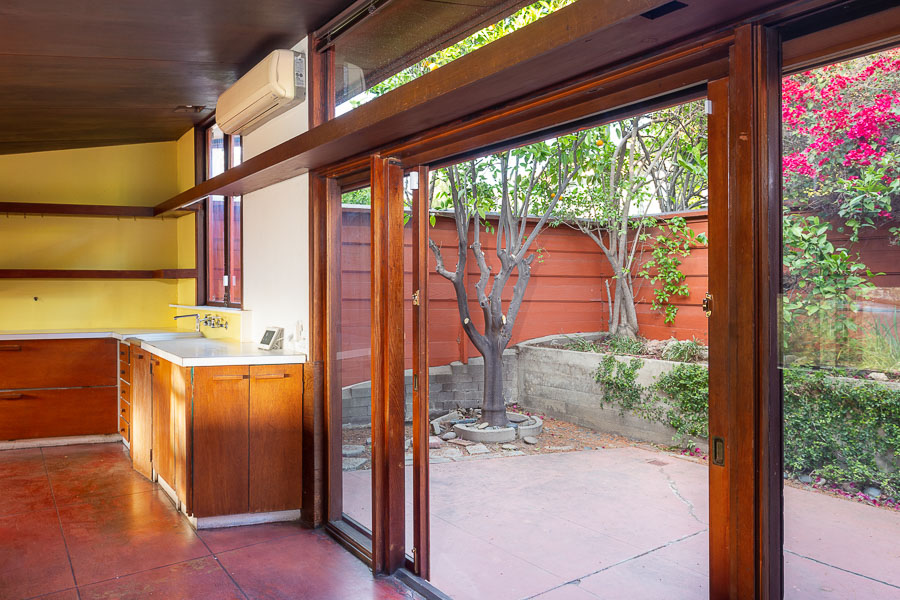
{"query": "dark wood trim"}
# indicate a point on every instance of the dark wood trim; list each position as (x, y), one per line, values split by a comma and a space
(332, 323)
(753, 445)
(97, 274)
(845, 39)
(314, 473)
(421, 421)
(318, 422)
(388, 382)
(579, 40)
(719, 491)
(87, 210)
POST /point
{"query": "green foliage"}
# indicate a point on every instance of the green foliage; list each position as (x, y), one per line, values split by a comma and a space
(357, 197)
(525, 16)
(670, 246)
(684, 351)
(866, 198)
(580, 344)
(881, 345)
(685, 392)
(843, 430)
(820, 280)
(626, 345)
(840, 430)
(618, 380)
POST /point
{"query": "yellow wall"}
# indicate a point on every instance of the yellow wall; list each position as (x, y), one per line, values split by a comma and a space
(134, 175)
(139, 174)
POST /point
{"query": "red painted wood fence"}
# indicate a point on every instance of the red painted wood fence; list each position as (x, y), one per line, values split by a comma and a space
(567, 292)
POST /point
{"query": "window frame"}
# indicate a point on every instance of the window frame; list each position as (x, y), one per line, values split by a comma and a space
(203, 233)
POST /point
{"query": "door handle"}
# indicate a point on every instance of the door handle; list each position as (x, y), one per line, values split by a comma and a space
(229, 377)
(10, 348)
(274, 376)
(11, 396)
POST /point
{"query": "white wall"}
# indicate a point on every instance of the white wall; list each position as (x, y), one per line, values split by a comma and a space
(276, 237)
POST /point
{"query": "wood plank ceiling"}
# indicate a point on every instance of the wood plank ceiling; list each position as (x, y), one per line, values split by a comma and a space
(104, 72)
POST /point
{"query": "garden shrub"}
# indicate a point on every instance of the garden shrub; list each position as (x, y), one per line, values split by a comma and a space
(626, 345)
(683, 351)
(685, 392)
(841, 429)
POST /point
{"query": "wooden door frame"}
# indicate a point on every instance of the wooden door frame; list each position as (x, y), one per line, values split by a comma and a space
(746, 549)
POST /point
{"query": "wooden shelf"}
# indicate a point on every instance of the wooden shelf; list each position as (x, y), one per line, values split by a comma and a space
(84, 210)
(97, 274)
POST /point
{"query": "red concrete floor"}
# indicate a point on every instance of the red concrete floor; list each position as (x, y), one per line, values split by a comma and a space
(77, 522)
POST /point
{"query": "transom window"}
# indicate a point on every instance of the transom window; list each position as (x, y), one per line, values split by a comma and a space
(224, 281)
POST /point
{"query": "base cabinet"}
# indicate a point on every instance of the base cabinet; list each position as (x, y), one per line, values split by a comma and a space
(58, 388)
(247, 439)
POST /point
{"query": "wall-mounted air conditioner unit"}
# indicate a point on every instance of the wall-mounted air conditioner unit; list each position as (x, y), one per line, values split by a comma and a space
(267, 90)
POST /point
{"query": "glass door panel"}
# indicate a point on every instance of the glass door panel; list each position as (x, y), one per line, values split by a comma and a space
(840, 330)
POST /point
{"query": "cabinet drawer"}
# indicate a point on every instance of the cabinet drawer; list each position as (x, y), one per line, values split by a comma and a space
(125, 410)
(57, 413)
(125, 393)
(124, 353)
(125, 372)
(125, 430)
(31, 364)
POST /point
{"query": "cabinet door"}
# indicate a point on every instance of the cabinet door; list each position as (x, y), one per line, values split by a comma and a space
(163, 436)
(141, 412)
(276, 394)
(28, 414)
(220, 440)
(32, 364)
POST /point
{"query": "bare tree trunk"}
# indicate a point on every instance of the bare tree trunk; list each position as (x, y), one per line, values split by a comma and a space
(627, 325)
(493, 408)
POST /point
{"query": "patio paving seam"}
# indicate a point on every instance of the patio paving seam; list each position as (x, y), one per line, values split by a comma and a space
(821, 562)
(578, 580)
(62, 533)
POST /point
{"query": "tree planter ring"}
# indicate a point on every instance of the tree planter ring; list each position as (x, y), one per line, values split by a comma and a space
(488, 435)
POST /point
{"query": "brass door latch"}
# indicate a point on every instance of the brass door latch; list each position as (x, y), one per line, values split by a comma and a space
(707, 304)
(415, 298)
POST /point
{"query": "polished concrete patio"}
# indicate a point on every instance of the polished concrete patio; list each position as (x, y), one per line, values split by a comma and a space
(624, 523)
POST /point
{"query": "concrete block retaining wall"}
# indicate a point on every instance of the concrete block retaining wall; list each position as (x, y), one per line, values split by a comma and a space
(455, 385)
(560, 384)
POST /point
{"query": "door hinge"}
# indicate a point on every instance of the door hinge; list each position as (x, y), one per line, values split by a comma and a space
(413, 180)
(709, 107)
(707, 305)
(415, 298)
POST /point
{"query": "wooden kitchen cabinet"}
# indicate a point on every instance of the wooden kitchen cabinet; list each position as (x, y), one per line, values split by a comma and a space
(27, 414)
(221, 440)
(57, 388)
(141, 411)
(246, 439)
(275, 444)
(63, 363)
(163, 443)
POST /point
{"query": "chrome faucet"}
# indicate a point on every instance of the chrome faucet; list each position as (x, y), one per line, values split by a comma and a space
(196, 323)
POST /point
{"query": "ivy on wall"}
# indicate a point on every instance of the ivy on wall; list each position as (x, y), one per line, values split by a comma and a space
(844, 431)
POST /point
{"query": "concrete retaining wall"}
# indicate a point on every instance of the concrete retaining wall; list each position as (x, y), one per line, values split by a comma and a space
(450, 386)
(560, 383)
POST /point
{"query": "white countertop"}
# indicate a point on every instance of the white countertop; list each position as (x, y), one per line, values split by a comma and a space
(203, 352)
(145, 333)
(184, 348)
